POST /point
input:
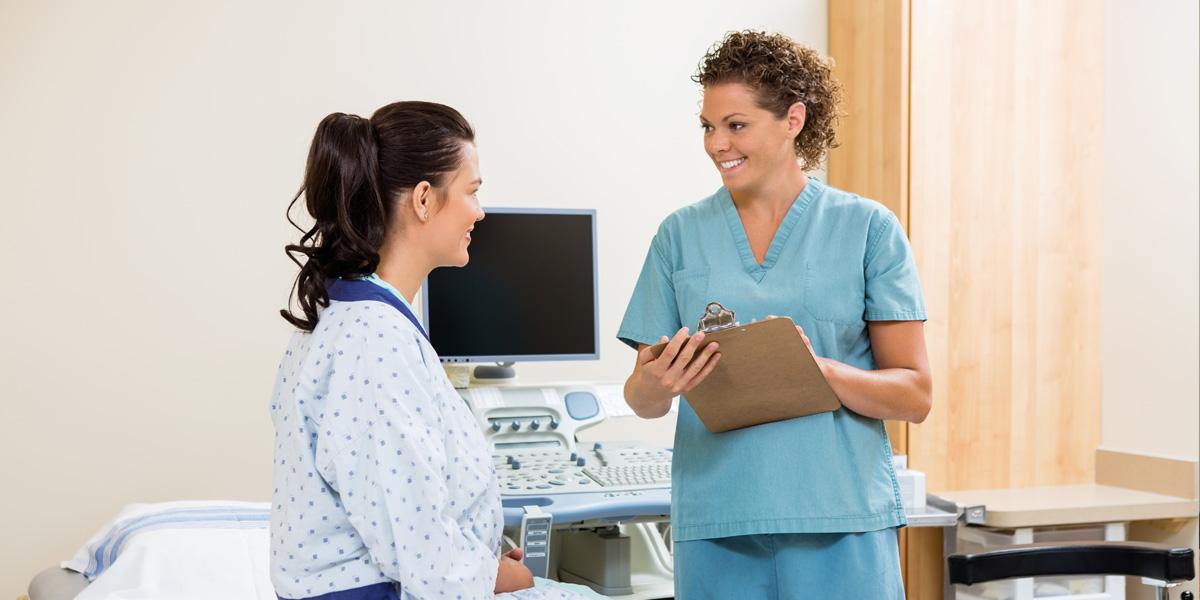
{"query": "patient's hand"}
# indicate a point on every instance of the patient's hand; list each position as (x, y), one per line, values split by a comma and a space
(512, 575)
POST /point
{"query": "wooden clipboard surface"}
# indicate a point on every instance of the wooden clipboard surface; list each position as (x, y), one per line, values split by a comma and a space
(766, 374)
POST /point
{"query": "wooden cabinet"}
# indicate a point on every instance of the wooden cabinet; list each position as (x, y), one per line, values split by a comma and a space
(979, 123)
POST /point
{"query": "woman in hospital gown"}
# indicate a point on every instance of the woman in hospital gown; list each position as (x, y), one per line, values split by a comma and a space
(806, 507)
(384, 485)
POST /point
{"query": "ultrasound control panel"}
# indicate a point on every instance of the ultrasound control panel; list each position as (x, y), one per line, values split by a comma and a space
(531, 432)
(594, 469)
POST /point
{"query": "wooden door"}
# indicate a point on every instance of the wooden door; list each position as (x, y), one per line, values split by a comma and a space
(982, 129)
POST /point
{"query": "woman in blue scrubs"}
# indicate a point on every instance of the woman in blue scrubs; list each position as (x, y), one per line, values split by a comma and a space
(807, 507)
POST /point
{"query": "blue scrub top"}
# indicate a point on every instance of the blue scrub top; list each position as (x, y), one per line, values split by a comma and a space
(836, 262)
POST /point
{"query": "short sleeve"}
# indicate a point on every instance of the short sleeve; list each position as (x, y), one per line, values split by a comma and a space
(893, 289)
(651, 312)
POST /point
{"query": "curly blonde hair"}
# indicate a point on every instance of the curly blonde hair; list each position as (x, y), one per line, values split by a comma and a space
(782, 73)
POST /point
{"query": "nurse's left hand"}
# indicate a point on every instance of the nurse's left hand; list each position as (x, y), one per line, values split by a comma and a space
(806, 341)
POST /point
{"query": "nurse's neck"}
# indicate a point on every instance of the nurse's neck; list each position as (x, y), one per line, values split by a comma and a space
(771, 197)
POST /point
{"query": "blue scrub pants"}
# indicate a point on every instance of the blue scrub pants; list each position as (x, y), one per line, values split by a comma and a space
(778, 566)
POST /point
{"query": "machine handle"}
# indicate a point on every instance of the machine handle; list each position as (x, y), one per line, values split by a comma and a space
(1155, 561)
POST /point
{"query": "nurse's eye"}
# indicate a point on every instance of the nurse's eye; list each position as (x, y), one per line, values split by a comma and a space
(706, 128)
(737, 126)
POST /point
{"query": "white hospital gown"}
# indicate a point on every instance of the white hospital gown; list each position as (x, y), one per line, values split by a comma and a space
(381, 473)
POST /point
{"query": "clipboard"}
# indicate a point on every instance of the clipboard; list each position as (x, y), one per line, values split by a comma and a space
(766, 374)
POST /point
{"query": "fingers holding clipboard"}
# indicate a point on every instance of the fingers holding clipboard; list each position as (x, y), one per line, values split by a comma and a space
(767, 373)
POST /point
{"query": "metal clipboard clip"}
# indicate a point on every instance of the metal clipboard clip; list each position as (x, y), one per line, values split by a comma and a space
(716, 318)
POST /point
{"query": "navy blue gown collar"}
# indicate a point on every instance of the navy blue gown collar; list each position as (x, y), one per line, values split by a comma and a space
(354, 290)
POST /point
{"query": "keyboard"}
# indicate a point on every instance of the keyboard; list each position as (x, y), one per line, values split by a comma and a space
(537, 472)
(631, 475)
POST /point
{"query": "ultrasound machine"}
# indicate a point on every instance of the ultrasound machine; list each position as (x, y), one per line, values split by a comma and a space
(590, 513)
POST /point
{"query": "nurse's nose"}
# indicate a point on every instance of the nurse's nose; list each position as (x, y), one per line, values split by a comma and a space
(479, 214)
(716, 142)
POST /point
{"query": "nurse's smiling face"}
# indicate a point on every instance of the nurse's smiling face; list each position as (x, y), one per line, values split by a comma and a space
(457, 212)
(747, 143)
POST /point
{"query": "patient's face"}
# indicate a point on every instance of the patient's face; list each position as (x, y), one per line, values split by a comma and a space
(459, 211)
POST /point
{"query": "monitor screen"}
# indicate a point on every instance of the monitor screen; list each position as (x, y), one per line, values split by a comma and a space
(528, 292)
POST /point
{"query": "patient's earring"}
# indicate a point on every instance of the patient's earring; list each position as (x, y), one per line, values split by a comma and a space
(425, 215)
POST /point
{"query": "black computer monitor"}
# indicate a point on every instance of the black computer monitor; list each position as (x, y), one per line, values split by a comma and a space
(528, 293)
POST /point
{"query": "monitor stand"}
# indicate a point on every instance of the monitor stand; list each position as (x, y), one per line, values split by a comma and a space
(501, 372)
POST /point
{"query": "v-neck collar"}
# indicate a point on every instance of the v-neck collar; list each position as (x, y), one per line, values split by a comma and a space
(742, 242)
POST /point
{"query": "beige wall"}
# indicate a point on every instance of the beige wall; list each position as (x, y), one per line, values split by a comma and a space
(148, 152)
(1151, 204)
(1151, 326)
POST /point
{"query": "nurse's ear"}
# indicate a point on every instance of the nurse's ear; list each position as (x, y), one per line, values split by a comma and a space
(796, 115)
(419, 201)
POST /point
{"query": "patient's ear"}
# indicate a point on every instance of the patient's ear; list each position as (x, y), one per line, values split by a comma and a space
(419, 201)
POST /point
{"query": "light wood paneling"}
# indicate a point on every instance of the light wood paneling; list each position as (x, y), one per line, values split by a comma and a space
(1005, 173)
(979, 124)
(868, 41)
(924, 571)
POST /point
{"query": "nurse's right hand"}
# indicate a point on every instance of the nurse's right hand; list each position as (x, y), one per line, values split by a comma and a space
(683, 364)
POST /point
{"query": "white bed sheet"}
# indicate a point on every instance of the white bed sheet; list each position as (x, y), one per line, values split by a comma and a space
(191, 550)
(201, 550)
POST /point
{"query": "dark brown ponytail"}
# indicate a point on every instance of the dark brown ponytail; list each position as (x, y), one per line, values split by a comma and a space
(356, 169)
